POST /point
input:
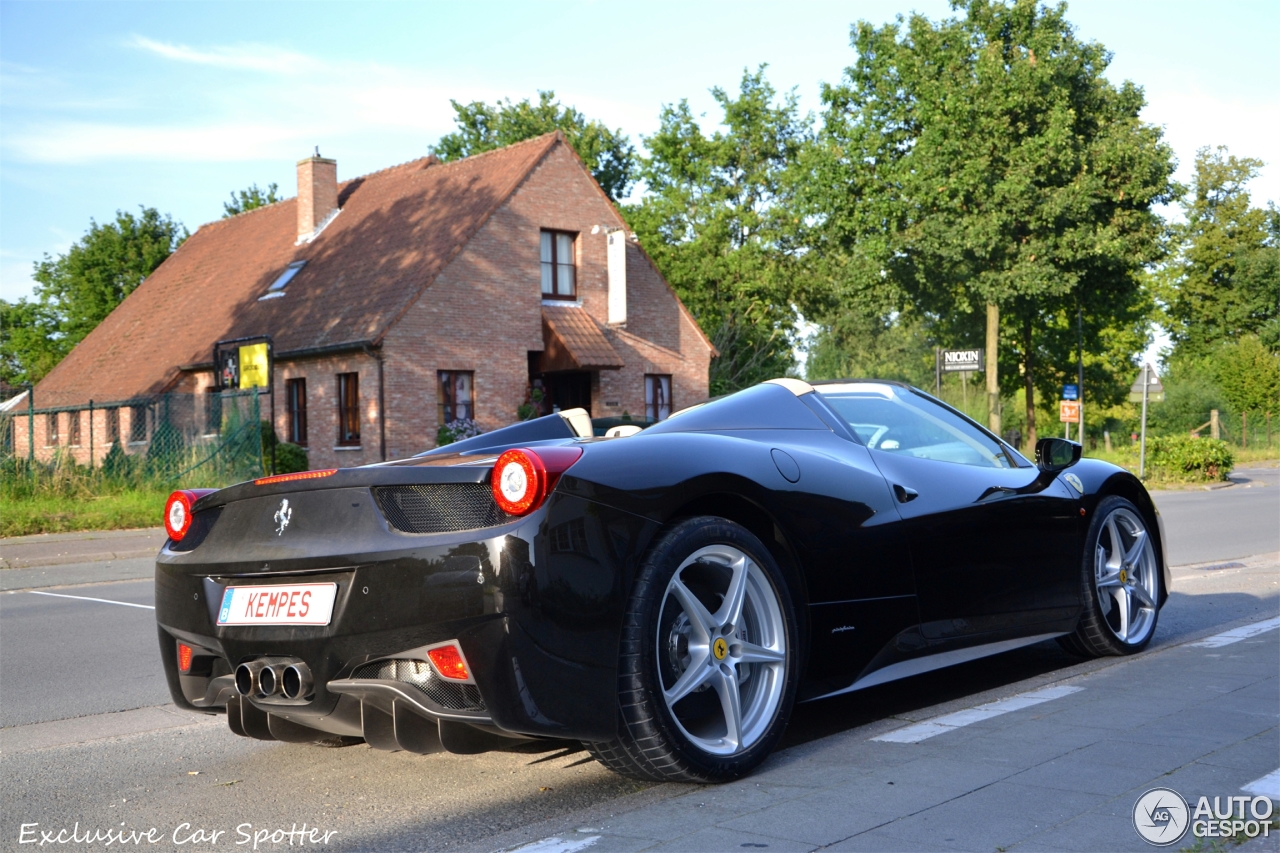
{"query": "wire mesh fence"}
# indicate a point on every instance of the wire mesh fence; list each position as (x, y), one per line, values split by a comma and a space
(195, 440)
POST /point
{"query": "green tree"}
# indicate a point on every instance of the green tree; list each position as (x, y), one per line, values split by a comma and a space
(718, 220)
(983, 171)
(250, 199)
(1225, 281)
(77, 290)
(608, 154)
(1248, 374)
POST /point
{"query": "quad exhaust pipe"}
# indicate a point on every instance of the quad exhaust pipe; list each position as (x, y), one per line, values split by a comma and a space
(287, 677)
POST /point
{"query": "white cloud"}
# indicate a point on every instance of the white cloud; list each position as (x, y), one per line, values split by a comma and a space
(241, 57)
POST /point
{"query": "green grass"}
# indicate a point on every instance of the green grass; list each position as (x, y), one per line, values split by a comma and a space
(62, 514)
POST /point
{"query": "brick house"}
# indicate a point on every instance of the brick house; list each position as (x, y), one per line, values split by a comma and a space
(422, 292)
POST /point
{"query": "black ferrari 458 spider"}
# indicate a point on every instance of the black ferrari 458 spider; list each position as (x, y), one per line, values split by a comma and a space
(663, 595)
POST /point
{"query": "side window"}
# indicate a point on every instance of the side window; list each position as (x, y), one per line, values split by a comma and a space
(296, 403)
(137, 423)
(349, 409)
(896, 420)
(657, 396)
(457, 396)
(559, 273)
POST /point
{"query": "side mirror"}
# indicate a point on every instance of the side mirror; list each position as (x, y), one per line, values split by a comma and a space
(1056, 454)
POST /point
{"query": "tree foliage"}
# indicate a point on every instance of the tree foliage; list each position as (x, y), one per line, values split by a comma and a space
(1225, 281)
(1249, 375)
(718, 219)
(986, 159)
(608, 154)
(250, 199)
(76, 291)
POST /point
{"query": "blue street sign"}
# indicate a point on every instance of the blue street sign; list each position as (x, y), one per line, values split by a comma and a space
(1071, 392)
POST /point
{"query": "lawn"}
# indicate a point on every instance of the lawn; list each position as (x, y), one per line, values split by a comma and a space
(60, 514)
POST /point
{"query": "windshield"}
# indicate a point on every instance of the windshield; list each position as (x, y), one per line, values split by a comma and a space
(900, 420)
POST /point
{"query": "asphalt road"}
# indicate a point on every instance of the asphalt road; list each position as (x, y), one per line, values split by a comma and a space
(51, 669)
(1235, 522)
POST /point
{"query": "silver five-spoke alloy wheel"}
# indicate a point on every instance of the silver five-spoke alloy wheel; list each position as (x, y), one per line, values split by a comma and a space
(722, 650)
(1126, 576)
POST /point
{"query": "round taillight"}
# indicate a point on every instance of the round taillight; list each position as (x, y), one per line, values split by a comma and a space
(177, 515)
(522, 478)
(518, 480)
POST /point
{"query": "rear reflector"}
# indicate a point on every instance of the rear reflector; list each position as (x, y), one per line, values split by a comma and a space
(449, 663)
(302, 475)
(184, 658)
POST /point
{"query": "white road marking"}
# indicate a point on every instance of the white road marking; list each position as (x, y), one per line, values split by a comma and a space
(87, 598)
(556, 845)
(1267, 786)
(950, 722)
(1235, 635)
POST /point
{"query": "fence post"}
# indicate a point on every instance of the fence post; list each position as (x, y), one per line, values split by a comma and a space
(91, 435)
(1215, 429)
(1244, 429)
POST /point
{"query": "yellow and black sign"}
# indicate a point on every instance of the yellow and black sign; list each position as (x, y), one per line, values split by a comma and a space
(255, 366)
(243, 364)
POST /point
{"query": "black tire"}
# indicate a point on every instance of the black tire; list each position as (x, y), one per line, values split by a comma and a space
(652, 744)
(1097, 634)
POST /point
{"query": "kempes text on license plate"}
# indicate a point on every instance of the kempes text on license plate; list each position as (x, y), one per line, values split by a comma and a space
(292, 604)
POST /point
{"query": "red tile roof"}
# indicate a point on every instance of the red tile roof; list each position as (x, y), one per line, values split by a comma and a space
(398, 228)
(575, 341)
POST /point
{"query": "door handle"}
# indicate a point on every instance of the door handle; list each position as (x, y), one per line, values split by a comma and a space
(905, 495)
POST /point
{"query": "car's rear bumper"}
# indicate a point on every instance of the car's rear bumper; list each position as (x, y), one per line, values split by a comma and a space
(534, 605)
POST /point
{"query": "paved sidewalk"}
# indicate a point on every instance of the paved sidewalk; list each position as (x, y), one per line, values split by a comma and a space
(82, 547)
(1057, 766)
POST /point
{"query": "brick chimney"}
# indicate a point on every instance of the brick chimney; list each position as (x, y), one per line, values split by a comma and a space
(317, 193)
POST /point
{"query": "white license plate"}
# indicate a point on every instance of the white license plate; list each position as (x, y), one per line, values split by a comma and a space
(292, 604)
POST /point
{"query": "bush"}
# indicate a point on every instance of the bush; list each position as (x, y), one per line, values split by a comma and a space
(456, 430)
(1182, 457)
(290, 458)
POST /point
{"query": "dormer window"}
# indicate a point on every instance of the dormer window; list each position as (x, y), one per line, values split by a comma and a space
(277, 287)
(559, 275)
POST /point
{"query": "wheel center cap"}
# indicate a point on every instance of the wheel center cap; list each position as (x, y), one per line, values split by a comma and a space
(1124, 576)
(720, 648)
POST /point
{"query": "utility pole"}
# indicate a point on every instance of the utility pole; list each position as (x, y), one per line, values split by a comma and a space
(1142, 449)
(993, 360)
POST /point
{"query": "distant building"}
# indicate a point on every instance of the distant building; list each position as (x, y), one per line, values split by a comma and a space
(396, 301)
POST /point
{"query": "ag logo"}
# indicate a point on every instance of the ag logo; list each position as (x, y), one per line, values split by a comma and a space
(719, 648)
(1075, 483)
(1160, 816)
(282, 516)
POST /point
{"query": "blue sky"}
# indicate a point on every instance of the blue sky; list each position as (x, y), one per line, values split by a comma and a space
(174, 105)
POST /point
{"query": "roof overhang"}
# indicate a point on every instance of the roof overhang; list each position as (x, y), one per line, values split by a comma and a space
(573, 340)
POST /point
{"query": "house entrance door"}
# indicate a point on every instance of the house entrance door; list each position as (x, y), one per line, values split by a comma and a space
(566, 390)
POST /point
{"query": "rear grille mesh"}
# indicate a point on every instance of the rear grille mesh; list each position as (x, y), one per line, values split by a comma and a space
(419, 674)
(439, 507)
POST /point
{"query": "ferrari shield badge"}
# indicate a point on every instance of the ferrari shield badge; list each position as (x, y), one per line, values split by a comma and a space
(1075, 483)
(282, 517)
